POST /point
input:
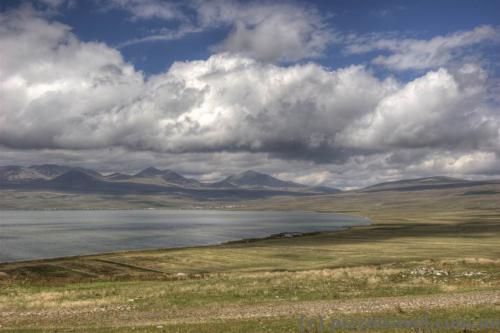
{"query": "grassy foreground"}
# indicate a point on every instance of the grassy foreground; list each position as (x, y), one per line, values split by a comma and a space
(433, 253)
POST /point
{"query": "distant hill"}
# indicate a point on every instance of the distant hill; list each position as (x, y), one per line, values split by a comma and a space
(152, 180)
(149, 172)
(423, 184)
(45, 171)
(255, 179)
(167, 177)
(118, 176)
(14, 173)
(170, 184)
(260, 181)
(248, 184)
(50, 170)
(325, 189)
(75, 179)
(222, 184)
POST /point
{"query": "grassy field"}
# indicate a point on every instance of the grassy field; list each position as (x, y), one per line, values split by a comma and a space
(18, 199)
(434, 253)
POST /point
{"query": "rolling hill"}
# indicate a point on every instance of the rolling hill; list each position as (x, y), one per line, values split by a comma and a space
(165, 177)
(426, 183)
(253, 179)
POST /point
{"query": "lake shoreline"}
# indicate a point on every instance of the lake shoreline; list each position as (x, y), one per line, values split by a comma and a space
(281, 235)
(33, 235)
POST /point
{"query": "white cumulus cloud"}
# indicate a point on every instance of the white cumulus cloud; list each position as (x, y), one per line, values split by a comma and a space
(420, 54)
(261, 30)
(81, 99)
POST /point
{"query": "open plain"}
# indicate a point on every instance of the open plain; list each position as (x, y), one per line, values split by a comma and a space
(428, 253)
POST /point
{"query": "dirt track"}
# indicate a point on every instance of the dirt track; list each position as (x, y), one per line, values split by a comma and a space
(126, 314)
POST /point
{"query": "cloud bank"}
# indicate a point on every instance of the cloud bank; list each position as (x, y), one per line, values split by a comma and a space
(65, 96)
(417, 54)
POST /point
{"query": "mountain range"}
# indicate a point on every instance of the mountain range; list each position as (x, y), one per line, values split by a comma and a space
(248, 184)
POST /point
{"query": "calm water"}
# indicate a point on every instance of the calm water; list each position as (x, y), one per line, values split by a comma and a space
(45, 234)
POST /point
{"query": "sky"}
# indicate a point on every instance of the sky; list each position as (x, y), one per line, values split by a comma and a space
(336, 93)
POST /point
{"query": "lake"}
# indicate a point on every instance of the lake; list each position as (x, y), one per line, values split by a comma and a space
(26, 235)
